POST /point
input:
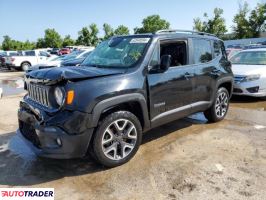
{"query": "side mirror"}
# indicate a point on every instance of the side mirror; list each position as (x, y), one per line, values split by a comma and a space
(165, 62)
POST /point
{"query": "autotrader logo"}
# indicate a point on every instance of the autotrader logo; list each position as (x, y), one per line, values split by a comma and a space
(26, 193)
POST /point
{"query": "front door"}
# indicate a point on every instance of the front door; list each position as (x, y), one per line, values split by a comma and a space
(171, 91)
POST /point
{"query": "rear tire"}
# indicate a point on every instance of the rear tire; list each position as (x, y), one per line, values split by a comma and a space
(219, 108)
(25, 66)
(117, 139)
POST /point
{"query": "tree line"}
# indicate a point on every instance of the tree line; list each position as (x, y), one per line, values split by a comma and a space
(247, 23)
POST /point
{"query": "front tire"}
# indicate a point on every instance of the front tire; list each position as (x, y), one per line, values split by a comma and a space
(219, 108)
(117, 139)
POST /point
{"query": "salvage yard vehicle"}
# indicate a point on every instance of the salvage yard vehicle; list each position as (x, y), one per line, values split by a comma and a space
(27, 59)
(64, 51)
(125, 87)
(249, 67)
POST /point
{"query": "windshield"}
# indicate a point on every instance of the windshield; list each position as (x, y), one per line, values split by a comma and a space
(249, 58)
(121, 52)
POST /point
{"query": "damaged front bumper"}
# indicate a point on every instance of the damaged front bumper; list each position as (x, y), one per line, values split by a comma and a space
(64, 135)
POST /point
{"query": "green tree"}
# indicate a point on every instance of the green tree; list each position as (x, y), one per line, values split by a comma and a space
(7, 43)
(121, 30)
(242, 28)
(68, 41)
(88, 36)
(215, 25)
(40, 43)
(52, 38)
(108, 31)
(151, 24)
(28, 45)
(257, 19)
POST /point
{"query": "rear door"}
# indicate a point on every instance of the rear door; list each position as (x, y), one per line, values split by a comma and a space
(171, 92)
(206, 72)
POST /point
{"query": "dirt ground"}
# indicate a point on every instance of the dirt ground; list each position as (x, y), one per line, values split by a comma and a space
(185, 159)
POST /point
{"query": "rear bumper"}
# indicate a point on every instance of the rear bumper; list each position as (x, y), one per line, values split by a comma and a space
(52, 141)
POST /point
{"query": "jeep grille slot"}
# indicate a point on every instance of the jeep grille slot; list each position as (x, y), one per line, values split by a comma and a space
(39, 94)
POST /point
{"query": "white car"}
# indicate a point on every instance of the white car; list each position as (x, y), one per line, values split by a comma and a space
(27, 59)
(249, 68)
(56, 62)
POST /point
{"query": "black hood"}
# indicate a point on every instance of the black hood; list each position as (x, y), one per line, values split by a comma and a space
(71, 73)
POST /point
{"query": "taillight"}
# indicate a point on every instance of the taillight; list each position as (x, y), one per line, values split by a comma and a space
(12, 59)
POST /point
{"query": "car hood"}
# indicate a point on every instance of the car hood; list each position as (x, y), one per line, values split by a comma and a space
(248, 69)
(58, 74)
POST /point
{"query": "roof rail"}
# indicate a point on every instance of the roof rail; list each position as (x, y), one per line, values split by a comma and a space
(183, 31)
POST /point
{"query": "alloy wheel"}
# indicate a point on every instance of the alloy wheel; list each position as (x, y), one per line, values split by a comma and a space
(119, 139)
(221, 104)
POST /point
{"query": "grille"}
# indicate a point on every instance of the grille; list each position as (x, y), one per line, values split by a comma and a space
(39, 94)
(29, 133)
(238, 79)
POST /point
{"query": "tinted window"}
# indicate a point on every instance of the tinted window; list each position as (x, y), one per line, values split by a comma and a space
(202, 51)
(29, 53)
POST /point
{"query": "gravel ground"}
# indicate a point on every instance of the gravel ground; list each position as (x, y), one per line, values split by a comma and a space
(185, 159)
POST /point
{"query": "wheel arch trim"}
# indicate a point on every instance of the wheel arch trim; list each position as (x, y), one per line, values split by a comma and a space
(125, 98)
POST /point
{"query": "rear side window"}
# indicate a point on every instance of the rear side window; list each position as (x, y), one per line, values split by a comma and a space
(29, 53)
(202, 51)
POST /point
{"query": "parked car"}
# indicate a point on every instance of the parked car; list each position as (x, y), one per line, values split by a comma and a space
(255, 46)
(4, 55)
(27, 59)
(57, 62)
(64, 51)
(249, 67)
(55, 51)
(232, 51)
(125, 87)
(53, 61)
(78, 60)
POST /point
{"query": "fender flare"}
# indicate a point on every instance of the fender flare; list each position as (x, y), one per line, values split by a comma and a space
(227, 79)
(113, 101)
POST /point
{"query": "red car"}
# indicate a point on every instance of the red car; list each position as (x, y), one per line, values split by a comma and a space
(64, 51)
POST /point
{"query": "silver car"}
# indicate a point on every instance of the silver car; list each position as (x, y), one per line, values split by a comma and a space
(249, 68)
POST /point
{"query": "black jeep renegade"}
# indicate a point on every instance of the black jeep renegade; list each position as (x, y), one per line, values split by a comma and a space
(127, 85)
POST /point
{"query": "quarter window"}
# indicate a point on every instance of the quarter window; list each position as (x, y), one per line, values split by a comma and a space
(155, 60)
(202, 51)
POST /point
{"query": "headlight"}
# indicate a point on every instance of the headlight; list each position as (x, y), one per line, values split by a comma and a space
(251, 77)
(59, 96)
